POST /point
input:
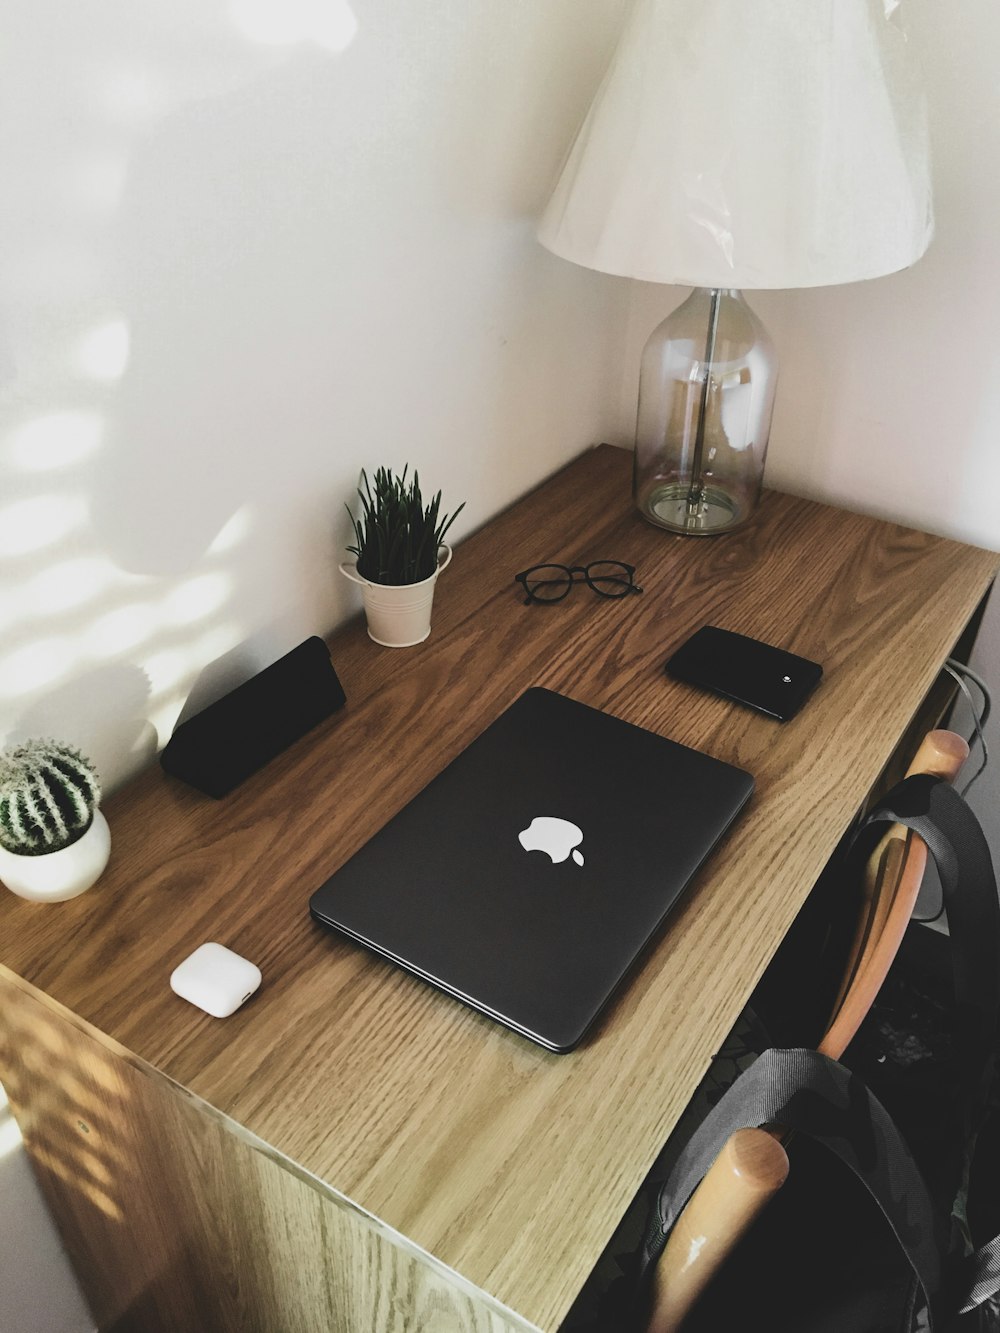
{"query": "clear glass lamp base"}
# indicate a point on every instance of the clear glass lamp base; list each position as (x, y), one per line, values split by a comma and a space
(706, 393)
(705, 513)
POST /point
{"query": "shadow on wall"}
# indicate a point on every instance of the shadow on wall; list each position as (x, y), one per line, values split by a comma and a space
(131, 556)
(104, 711)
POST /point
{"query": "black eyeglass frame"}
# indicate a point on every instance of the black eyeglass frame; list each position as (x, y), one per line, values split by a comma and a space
(571, 571)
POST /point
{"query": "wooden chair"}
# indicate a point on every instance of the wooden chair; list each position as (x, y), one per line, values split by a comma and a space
(753, 1165)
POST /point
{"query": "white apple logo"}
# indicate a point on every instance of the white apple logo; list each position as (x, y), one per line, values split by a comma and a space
(556, 837)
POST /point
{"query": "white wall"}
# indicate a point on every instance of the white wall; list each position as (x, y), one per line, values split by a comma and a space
(235, 268)
(247, 248)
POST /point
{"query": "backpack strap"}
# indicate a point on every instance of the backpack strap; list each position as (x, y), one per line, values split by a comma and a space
(816, 1096)
(935, 811)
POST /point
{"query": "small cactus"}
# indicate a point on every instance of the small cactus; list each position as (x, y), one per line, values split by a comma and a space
(48, 795)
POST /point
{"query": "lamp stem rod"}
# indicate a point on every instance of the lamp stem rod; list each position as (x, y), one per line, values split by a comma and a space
(696, 491)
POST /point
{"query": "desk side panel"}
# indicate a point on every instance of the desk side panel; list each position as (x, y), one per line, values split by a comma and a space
(173, 1223)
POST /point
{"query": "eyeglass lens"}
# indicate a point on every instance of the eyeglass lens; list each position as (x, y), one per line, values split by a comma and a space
(609, 578)
(548, 583)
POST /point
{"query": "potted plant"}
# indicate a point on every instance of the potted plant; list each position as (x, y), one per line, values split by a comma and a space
(400, 550)
(54, 841)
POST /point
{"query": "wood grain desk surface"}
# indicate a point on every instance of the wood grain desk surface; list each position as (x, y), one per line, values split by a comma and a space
(509, 1164)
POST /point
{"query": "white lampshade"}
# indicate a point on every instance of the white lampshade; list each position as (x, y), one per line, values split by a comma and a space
(751, 143)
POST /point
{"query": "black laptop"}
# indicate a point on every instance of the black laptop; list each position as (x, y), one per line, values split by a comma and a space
(526, 878)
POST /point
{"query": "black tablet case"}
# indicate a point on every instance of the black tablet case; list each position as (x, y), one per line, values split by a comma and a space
(220, 747)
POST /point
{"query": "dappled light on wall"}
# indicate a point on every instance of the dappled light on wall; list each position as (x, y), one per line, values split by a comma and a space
(56, 440)
(31, 525)
(66, 585)
(10, 1136)
(232, 533)
(117, 632)
(148, 343)
(35, 666)
(171, 675)
(169, 629)
(195, 599)
(71, 619)
(168, 668)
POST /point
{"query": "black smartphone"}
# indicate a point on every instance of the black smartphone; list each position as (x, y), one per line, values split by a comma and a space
(750, 672)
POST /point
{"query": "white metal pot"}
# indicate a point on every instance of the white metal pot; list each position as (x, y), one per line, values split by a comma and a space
(55, 877)
(399, 615)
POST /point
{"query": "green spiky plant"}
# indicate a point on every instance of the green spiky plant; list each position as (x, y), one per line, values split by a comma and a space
(397, 537)
(48, 795)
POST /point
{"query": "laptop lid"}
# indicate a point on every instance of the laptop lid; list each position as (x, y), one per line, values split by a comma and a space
(527, 876)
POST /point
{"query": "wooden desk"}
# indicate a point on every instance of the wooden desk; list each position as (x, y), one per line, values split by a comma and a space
(354, 1151)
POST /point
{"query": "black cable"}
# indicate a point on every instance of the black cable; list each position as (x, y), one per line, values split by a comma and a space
(958, 670)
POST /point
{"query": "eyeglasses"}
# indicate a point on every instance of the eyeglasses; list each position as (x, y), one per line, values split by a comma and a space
(551, 583)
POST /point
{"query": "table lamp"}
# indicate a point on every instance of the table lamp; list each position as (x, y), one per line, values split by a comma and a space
(767, 144)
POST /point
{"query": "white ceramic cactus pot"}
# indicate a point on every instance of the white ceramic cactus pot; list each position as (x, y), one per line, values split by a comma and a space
(55, 877)
(399, 615)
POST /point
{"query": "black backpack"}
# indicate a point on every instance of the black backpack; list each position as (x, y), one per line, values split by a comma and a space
(856, 1241)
